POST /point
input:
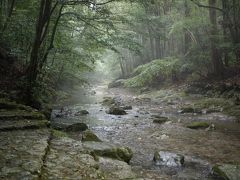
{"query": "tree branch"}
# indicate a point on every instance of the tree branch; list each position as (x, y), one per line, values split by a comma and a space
(206, 6)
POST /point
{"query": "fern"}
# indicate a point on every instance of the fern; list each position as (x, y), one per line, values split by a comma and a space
(157, 69)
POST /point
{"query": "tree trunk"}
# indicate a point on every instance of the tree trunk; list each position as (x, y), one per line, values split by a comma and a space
(225, 36)
(187, 38)
(41, 28)
(216, 60)
(157, 46)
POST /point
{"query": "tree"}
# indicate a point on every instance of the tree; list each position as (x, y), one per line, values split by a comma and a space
(216, 59)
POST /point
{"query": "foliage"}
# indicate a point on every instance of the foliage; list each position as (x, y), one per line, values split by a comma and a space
(159, 69)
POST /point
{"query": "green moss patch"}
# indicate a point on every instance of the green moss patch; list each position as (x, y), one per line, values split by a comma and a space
(90, 136)
(160, 120)
(58, 133)
(198, 125)
(108, 101)
(20, 114)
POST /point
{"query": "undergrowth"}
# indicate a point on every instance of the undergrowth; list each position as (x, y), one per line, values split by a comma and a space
(154, 72)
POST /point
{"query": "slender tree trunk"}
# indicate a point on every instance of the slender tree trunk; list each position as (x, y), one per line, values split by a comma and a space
(225, 22)
(187, 38)
(157, 47)
(216, 59)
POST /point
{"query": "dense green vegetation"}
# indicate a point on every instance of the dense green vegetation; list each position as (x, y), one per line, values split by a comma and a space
(45, 44)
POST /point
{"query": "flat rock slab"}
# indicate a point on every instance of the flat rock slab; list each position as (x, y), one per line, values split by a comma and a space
(116, 169)
(22, 152)
(67, 159)
(20, 114)
(22, 124)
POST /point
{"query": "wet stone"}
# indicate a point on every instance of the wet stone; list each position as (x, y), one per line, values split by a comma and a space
(168, 159)
(76, 127)
(89, 136)
(160, 120)
(108, 150)
(115, 110)
(116, 169)
(67, 159)
(82, 112)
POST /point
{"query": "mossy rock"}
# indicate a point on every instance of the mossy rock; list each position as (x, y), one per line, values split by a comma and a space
(90, 136)
(76, 127)
(108, 101)
(163, 158)
(198, 125)
(58, 133)
(115, 110)
(190, 109)
(160, 120)
(126, 107)
(227, 172)
(107, 150)
(82, 112)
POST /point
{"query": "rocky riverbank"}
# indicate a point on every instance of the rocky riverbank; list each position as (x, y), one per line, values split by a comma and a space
(163, 134)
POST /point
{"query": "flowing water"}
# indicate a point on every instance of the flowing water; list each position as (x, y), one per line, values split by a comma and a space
(201, 148)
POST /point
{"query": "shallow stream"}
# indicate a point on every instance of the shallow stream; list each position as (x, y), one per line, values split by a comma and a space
(201, 148)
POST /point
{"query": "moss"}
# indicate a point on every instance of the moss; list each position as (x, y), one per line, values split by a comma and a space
(119, 153)
(10, 105)
(233, 111)
(90, 136)
(215, 104)
(21, 114)
(219, 173)
(160, 120)
(58, 133)
(157, 156)
(115, 110)
(125, 153)
(23, 124)
(108, 101)
(77, 127)
(190, 109)
(198, 125)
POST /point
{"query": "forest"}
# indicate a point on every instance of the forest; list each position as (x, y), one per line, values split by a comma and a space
(120, 89)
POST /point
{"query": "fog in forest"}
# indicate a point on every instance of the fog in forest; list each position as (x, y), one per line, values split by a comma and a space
(120, 89)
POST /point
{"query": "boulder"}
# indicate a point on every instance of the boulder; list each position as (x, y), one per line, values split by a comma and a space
(82, 112)
(108, 101)
(126, 107)
(116, 110)
(160, 120)
(107, 150)
(89, 136)
(227, 171)
(168, 159)
(76, 127)
(198, 125)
